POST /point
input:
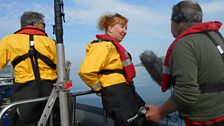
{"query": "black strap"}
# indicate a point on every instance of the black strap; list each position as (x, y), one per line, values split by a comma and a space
(215, 42)
(101, 40)
(220, 35)
(33, 59)
(19, 59)
(106, 72)
(45, 59)
(209, 88)
(38, 55)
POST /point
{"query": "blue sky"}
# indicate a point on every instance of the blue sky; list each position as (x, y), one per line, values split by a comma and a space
(148, 27)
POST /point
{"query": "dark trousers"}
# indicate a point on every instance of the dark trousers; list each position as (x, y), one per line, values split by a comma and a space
(29, 114)
(122, 102)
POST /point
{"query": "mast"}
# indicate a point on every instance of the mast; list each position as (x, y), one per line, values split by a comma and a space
(58, 29)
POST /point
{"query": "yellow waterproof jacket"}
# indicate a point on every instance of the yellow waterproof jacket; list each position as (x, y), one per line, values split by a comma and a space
(101, 56)
(14, 45)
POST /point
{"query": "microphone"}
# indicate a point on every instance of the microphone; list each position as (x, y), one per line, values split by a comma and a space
(153, 65)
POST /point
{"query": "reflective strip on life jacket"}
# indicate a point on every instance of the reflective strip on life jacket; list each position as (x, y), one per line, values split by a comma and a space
(127, 62)
(32, 43)
(166, 70)
(220, 49)
(96, 87)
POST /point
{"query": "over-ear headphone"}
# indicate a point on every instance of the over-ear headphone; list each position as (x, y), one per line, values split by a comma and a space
(178, 16)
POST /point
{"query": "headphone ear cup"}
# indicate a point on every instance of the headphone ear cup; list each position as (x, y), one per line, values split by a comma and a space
(178, 17)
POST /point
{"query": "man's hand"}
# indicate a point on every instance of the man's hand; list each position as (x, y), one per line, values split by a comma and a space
(154, 113)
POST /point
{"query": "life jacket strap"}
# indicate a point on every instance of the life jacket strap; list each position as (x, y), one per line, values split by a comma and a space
(209, 88)
(33, 51)
(33, 54)
(106, 72)
(45, 59)
(220, 49)
(19, 59)
(33, 59)
(101, 40)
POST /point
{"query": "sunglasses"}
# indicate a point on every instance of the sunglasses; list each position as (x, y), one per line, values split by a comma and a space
(44, 25)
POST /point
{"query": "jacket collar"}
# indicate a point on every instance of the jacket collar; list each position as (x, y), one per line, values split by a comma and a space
(200, 27)
(31, 30)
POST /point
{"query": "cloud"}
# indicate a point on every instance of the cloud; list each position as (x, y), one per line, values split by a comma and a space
(12, 10)
(213, 7)
(142, 20)
(87, 10)
(214, 11)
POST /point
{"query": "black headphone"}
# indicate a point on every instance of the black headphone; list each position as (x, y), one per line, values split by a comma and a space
(178, 16)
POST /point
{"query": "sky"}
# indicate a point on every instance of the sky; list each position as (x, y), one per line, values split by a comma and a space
(148, 26)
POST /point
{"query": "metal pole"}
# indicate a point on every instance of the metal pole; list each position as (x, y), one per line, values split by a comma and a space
(63, 100)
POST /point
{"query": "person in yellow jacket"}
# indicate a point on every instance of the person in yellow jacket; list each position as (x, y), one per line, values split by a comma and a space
(33, 56)
(102, 70)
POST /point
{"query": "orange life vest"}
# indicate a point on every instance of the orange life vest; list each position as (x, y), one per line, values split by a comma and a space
(128, 67)
(31, 30)
(206, 26)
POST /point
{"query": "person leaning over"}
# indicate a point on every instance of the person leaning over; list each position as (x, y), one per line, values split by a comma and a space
(194, 65)
(108, 68)
(33, 56)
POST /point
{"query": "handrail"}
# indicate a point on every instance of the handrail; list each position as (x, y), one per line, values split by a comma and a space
(2, 112)
(6, 78)
(19, 103)
(83, 93)
(4, 81)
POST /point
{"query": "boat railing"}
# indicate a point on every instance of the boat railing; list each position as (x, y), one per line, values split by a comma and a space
(8, 80)
(13, 104)
(74, 95)
(85, 93)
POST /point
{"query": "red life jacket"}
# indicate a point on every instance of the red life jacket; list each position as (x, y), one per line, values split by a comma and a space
(128, 67)
(207, 26)
(216, 122)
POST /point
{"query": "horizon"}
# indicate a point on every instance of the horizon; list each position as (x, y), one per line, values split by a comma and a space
(148, 26)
